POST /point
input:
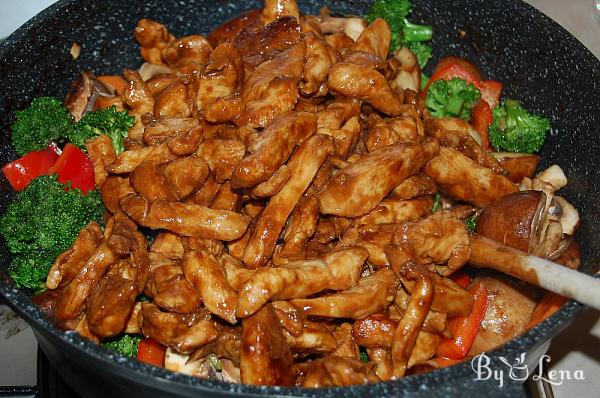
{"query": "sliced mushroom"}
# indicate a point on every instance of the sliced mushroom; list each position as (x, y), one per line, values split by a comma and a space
(517, 165)
(83, 94)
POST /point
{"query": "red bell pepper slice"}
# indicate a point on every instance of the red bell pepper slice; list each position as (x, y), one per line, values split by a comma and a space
(37, 163)
(481, 119)
(490, 91)
(151, 352)
(464, 328)
(74, 167)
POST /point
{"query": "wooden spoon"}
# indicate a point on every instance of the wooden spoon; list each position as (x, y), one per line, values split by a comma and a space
(487, 253)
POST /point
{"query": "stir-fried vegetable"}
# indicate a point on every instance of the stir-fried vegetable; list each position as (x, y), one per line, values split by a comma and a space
(43, 221)
(107, 121)
(125, 344)
(404, 32)
(21, 171)
(45, 121)
(151, 352)
(452, 98)
(514, 129)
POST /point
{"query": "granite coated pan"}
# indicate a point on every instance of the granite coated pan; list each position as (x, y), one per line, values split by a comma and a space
(541, 64)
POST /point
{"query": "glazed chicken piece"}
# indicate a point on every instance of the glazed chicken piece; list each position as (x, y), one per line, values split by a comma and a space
(265, 357)
(207, 193)
(274, 9)
(150, 183)
(111, 303)
(127, 161)
(350, 26)
(301, 226)
(372, 294)
(397, 211)
(185, 219)
(226, 198)
(405, 71)
(223, 76)
(113, 189)
(187, 51)
(227, 32)
(439, 239)
(186, 143)
(335, 372)
(463, 179)
(160, 130)
(184, 333)
(222, 156)
(290, 318)
(185, 175)
(168, 244)
(409, 327)
(374, 39)
(101, 153)
(168, 287)
(176, 100)
(320, 56)
(203, 270)
(346, 346)
(69, 263)
(359, 187)
(315, 338)
(372, 238)
(153, 37)
(337, 270)
(304, 164)
(237, 274)
(272, 88)
(340, 120)
(366, 84)
(391, 131)
(274, 184)
(273, 148)
(374, 331)
(139, 99)
(415, 186)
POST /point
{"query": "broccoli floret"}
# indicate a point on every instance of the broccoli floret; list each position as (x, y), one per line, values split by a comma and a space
(514, 129)
(422, 51)
(452, 98)
(125, 344)
(46, 120)
(471, 223)
(107, 121)
(403, 31)
(363, 355)
(41, 222)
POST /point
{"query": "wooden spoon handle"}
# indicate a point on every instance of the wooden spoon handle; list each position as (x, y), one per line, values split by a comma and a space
(487, 253)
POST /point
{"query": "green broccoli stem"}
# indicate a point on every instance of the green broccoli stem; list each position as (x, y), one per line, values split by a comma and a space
(454, 106)
(413, 32)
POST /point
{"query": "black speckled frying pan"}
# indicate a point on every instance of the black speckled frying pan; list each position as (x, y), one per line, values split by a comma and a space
(539, 62)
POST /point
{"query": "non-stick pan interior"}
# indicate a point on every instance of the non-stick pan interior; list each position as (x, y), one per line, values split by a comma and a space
(540, 63)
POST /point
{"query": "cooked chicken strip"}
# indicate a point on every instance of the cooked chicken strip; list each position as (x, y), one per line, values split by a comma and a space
(390, 131)
(274, 184)
(127, 161)
(405, 335)
(374, 331)
(168, 244)
(222, 77)
(384, 366)
(258, 43)
(168, 287)
(301, 226)
(113, 189)
(265, 355)
(226, 198)
(208, 276)
(192, 50)
(111, 302)
(480, 188)
(207, 193)
(279, 97)
(351, 80)
(274, 9)
(304, 164)
(184, 333)
(186, 143)
(315, 338)
(290, 318)
(375, 39)
(101, 153)
(415, 186)
(346, 347)
(69, 263)
(273, 147)
(372, 294)
(160, 130)
(185, 175)
(439, 239)
(222, 156)
(320, 56)
(224, 110)
(138, 97)
(185, 219)
(175, 100)
(227, 32)
(149, 182)
(335, 372)
(397, 211)
(153, 37)
(358, 188)
(237, 274)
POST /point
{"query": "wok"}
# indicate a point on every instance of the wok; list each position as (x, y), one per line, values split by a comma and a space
(541, 64)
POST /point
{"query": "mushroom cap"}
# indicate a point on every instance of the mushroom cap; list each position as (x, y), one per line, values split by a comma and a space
(513, 220)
